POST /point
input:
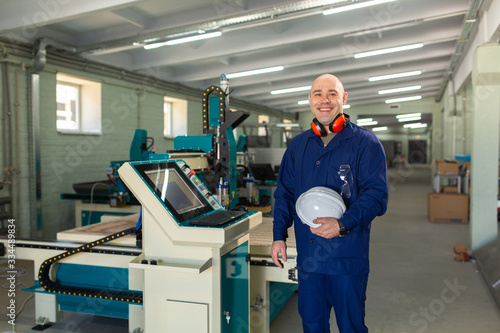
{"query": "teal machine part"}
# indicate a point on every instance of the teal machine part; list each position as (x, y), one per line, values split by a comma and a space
(218, 140)
(220, 120)
(95, 277)
(234, 290)
(214, 103)
(138, 145)
(280, 293)
(195, 142)
(242, 144)
(233, 172)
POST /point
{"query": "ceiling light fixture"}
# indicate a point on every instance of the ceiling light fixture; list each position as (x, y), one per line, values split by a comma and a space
(408, 115)
(396, 90)
(354, 6)
(364, 120)
(346, 106)
(200, 36)
(376, 129)
(409, 119)
(255, 72)
(415, 125)
(287, 125)
(403, 99)
(368, 123)
(393, 76)
(388, 50)
(290, 90)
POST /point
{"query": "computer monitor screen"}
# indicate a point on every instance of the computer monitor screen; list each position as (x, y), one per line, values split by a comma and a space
(262, 171)
(175, 189)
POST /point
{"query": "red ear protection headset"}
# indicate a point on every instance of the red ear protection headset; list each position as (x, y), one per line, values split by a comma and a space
(340, 121)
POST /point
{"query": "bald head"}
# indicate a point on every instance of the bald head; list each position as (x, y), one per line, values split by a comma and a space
(329, 79)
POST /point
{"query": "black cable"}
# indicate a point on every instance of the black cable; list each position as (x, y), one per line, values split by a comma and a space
(55, 287)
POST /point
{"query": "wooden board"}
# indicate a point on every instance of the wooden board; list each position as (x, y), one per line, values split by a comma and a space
(96, 231)
(262, 235)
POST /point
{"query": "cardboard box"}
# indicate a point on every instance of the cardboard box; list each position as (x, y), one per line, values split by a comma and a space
(445, 167)
(459, 248)
(448, 208)
(449, 189)
(460, 252)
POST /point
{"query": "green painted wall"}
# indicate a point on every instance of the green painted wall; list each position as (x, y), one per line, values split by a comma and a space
(69, 158)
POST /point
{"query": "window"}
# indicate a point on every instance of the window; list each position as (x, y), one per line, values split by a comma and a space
(262, 119)
(287, 134)
(68, 106)
(78, 105)
(175, 117)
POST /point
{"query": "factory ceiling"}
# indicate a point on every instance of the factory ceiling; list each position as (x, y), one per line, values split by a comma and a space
(295, 39)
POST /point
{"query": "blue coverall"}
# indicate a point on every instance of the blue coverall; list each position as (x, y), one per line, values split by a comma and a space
(332, 272)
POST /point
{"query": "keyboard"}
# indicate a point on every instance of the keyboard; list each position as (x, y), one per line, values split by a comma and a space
(217, 218)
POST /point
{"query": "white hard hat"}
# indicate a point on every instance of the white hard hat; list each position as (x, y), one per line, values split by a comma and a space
(319, 202)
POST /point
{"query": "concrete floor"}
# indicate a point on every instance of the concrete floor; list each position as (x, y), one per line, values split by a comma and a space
(415, 284)
(412, 269)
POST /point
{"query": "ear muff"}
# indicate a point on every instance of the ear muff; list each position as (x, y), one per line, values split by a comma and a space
(317, 128)
(340, 121)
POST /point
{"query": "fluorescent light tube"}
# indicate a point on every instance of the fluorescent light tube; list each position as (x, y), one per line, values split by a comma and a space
(364, 120)
(383, 128)
(255, 72)
(415, 125)
(388, 50)
(368, 123)
(287, 125)
(408, 115)
(354, 6)
(393, 76)
(290, 90)
(409, 119)
(183, 40)
(403, 99)
(396, 90)
(305, 101)
(346, 106)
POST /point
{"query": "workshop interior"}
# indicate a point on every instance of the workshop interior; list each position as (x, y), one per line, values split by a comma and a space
(141, 144)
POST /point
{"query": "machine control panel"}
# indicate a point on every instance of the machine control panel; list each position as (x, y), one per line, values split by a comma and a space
(180, 191)
(191, 174)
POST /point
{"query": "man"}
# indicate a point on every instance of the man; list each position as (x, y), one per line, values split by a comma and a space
(333, 258)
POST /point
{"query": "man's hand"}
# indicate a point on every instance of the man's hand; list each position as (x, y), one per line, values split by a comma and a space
(329, 227)
(277, 248)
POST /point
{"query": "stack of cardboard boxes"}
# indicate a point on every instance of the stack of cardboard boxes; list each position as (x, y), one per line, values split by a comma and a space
(446, 204)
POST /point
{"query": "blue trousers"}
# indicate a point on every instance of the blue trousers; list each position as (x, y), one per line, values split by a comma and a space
(318, 293)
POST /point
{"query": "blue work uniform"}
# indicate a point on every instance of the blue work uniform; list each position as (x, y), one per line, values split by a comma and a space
(333, 272)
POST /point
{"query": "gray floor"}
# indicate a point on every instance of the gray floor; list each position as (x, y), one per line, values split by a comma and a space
(415, 284)
(412, 269)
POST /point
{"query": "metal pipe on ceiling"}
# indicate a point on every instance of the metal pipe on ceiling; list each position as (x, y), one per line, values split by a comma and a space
(75, 62)
(271, 15)
(469, 20)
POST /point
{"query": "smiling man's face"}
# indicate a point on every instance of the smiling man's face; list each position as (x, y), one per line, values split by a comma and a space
(327, 98)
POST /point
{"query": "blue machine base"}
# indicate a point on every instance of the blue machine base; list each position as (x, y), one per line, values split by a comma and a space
(94, 277)
(284, 291)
